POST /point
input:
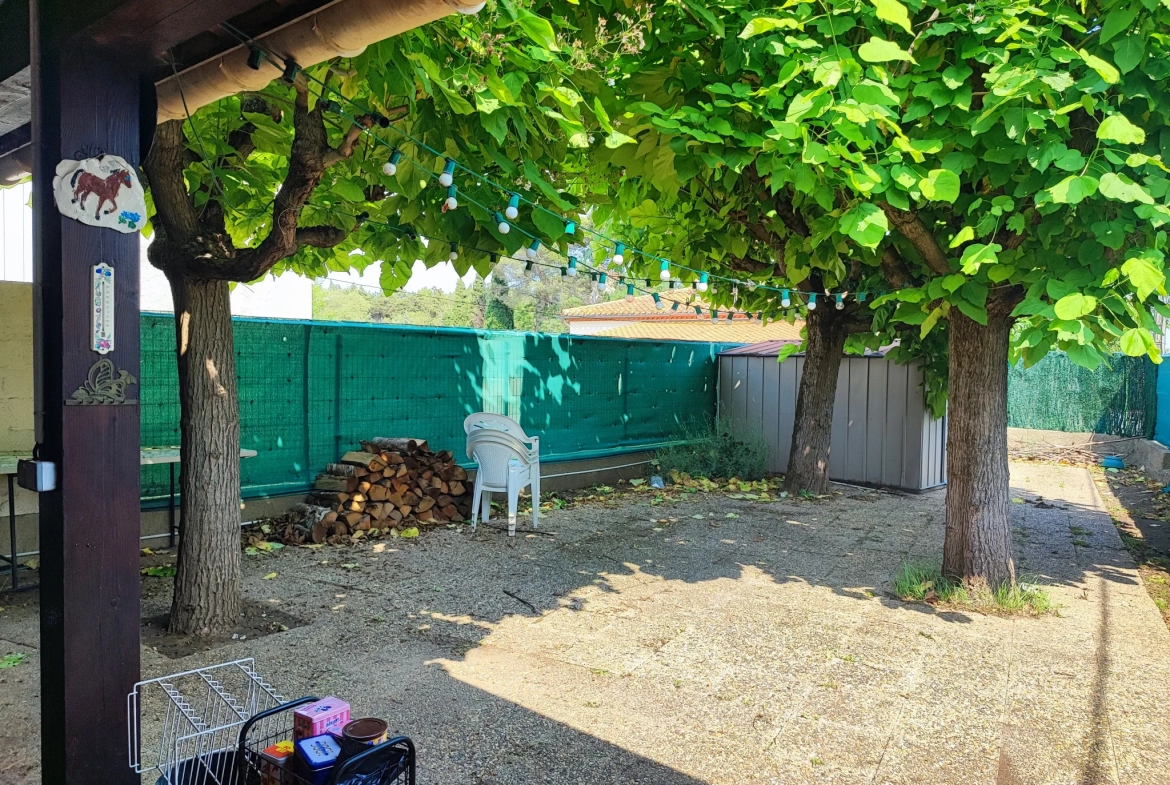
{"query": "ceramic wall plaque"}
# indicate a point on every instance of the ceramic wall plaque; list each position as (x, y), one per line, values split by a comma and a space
(102, 191)
(102, 308)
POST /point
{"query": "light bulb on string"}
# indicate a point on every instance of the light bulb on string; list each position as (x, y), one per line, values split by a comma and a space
(698, 311)
(658, 302)
(390, 168)
(532, 249)
(601, 283)
(619, 254)
(513, 208)
(861, 296)
(840, 302)
(702, 286)
(448, 175)
(812, 301)
(730, 315)
(674, 305)
(502, 226)
(451, 202)
(571, 270)
(570, 228)
(715, 316)
(751, 285)
(564, 271)
(664, 271)
(454, 252)
(785, 302)
(630, 292)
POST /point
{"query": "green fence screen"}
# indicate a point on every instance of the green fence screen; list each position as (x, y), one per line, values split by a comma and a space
(309, 391)
(1118, 398)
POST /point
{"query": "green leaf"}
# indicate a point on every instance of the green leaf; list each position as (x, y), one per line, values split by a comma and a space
(865, 224)
(1132, 343)
(1118, 128)
(458, 103)
(932, 319)
(617, 139)
(787, 350)
(976, 313)
(965, 235)
(1118, 21)
(953, 282)
(893, 12)
(870, 92)
(1128, 52)
(1075, 305)
(1073, 189)
(1120, 188)
(1144, 276)
(978, 254)
(349, 190)
(766, 24)
(940, 185)
(538, 29)
(1103, 68)
(1084, 356)
(879, 50)
(700, 10)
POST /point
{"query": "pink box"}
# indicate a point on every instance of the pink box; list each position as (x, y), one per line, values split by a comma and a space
(328, 715)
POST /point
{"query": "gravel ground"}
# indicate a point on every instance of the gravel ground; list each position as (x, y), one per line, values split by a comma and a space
(708, 640)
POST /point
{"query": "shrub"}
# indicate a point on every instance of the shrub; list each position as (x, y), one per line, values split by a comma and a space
(717, 448)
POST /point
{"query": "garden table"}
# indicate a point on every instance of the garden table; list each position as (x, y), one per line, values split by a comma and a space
(150, 456)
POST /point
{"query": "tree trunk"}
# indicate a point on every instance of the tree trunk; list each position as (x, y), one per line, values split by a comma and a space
(808, 461)
(978, 545)
(207, 586)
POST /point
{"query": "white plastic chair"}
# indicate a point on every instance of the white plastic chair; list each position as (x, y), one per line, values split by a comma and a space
(506, 465)
(486, 421)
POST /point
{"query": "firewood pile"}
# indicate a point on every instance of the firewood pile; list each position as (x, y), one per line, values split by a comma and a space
(388, 487)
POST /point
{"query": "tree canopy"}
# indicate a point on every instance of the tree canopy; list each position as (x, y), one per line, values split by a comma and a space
(949, 154)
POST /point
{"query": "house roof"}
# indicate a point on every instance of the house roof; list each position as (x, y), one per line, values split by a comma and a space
(737, 331)
(640, 306)
(642, 309)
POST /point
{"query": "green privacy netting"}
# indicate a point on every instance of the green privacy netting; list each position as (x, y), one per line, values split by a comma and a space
(1056, 394)
(309, 391)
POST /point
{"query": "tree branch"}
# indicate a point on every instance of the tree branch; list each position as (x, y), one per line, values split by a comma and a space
(320, 236)
(910, 226)
(175, 213)
(894, 267)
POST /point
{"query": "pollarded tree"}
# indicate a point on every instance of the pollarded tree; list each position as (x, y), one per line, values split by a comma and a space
(297, 177)
(1006, 157)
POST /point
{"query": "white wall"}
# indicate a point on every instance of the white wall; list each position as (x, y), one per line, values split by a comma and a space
(16, 234)
(594, 326)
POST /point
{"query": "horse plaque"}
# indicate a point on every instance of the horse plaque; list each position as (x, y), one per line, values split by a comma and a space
(102, 191)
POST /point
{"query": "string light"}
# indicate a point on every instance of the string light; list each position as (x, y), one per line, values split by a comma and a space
(513, 208)
(812, 301)
(658, 302)
(448, 175)
(785, 302)
(664, 271)
(730, 315)
(601, 282)
(532, 249)
(702, 285)
(292, 70)
(629, 292)
(390, 168)
(840, 302)
(502, 226)
(698, 311)
(454, 252)
(619, 254)
(674, 305)
(714, 315)
(571, 270)
(451, 202)
(861, 297)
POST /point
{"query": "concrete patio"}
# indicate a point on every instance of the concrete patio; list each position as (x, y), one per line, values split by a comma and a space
(742, 642)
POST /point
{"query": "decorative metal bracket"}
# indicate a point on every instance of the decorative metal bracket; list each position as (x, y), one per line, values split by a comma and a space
(102, 388)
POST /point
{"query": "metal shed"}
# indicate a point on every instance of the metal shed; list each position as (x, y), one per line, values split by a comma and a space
(883, 432)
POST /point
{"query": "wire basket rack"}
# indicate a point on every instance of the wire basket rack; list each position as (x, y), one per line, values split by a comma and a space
(186, 727)
(391, 762)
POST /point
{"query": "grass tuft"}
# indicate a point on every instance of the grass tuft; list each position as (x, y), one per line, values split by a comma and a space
(924, 582)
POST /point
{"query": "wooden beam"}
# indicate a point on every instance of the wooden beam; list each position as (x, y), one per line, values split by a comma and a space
(85, 102)
(14, 37)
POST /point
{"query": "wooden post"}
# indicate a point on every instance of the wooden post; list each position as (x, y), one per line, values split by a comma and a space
(85, 103)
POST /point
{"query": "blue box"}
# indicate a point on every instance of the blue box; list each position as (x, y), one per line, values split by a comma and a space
(317, 756)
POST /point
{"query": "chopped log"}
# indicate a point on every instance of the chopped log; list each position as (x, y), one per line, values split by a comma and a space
(363, 487)
(329, 499)
(425, 504)
(364, 524)
(350, 518)
(459, 473)
(340, 529)
(426, 516)
(456, 489)
(362, 459)
(378, 493)
(396, 444)
(405, 509)
(330, 482)
(318, 533)
(392, 458)
(411, 498)
(340, 469)
(395, 515)
(450, 513)
(443, 500)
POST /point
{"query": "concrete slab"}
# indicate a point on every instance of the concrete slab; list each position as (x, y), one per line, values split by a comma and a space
(759, 648)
